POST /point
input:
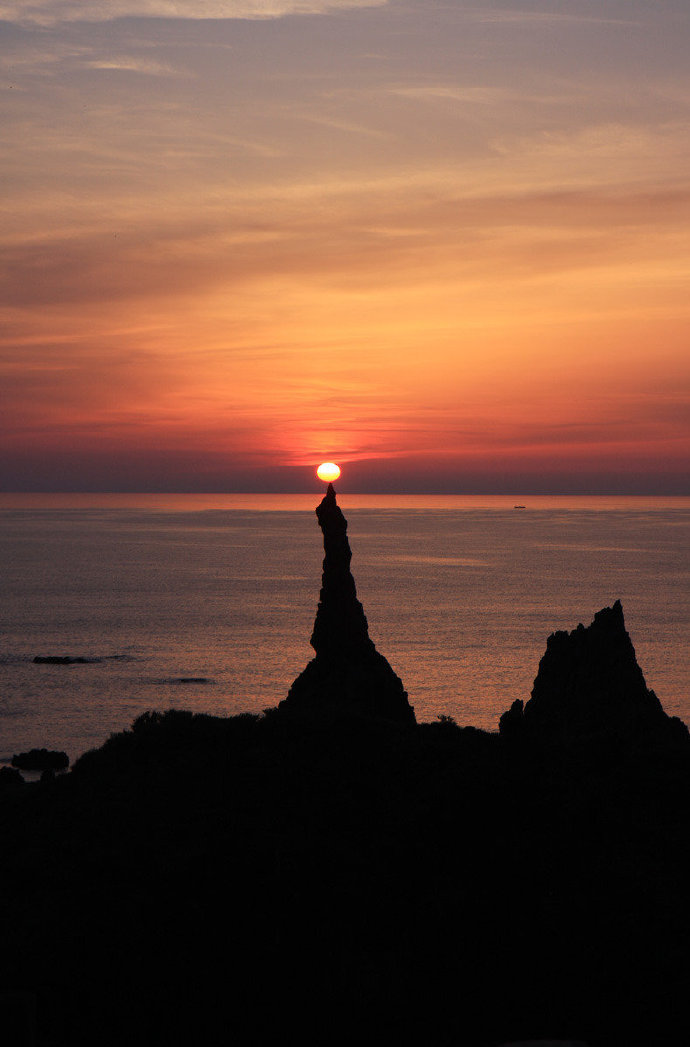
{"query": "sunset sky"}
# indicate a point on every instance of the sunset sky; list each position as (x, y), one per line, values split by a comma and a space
(443, 244)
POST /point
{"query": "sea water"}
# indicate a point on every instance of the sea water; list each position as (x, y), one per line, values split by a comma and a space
(207, 602)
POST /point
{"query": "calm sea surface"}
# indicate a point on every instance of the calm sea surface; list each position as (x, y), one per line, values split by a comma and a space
(221, 591)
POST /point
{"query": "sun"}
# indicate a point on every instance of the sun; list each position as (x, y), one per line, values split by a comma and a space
(328, 471)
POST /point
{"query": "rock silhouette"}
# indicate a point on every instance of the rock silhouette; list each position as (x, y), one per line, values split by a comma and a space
(589, 684)
(62, 659)
(10, 776)
(41, 760)
(348, 674)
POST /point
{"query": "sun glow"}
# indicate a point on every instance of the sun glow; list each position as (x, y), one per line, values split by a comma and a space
(328, 471)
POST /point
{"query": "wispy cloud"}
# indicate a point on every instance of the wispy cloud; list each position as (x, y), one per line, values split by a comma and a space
(519, 236)
(349, 126)
(132, 64)
(480, 95)
(527, 16)
(449, 92)
(50, 12)
(629, 140)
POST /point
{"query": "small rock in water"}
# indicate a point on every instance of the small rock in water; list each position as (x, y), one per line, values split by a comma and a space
(62, 659)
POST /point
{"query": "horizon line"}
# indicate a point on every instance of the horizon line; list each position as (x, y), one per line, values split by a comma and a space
(388, 493)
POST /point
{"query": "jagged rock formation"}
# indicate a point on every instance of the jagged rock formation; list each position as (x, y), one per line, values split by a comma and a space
(348, 673)
(589, 684)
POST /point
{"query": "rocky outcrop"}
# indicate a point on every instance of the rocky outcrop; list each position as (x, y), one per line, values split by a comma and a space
(348, 673)
(589, 684)
(41, 760)
(62, 659)
(10, 776)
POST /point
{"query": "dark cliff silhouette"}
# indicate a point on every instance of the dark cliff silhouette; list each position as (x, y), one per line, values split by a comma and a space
(348, 673)
(589, 686)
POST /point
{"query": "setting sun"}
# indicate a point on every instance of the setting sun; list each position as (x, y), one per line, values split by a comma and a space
(328, 471)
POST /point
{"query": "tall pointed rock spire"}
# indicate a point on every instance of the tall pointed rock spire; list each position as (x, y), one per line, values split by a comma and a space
(348, 673)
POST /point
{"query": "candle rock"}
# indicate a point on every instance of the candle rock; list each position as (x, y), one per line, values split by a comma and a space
(348, 674)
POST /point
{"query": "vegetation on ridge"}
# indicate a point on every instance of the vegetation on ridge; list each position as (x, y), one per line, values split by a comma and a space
(253, 877)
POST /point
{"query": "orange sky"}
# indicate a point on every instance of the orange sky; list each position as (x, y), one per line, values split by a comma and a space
(445, 245)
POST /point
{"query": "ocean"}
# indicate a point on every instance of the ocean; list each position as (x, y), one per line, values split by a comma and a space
(207, 602)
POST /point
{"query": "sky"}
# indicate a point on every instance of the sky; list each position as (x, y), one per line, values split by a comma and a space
(444, 244)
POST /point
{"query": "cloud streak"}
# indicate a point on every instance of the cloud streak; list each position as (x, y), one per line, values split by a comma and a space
(526, 16)
(52, 12)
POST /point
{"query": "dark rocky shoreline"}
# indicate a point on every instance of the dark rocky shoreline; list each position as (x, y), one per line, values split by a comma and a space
(333, 872)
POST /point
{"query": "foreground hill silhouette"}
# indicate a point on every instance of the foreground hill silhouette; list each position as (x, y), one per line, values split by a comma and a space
(356, 878)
